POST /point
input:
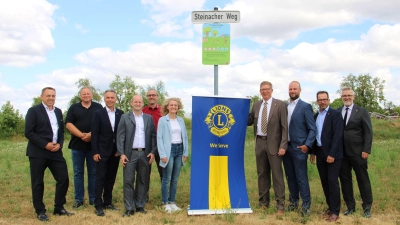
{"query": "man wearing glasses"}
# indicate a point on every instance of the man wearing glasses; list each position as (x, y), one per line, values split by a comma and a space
(357, 141)
(154, 110)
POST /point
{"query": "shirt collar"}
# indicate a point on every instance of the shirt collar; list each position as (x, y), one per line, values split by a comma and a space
(269, 101)
(109, 110)
(294, 102)
(47, 108)
(325, 110)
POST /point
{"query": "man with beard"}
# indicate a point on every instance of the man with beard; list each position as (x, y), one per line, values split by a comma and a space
(357, 147)
(302, 131)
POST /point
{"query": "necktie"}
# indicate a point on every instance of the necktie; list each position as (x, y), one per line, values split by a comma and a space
(345, 116)
(264, 121)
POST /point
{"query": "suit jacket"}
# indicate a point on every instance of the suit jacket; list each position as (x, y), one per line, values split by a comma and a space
(302, 129)
(126, 134)
(331, 135)
(39, 132)
(277, 131)
(358, 132)
(103, 137)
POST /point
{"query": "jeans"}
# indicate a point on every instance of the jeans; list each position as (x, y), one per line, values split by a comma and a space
(171, 174)
(78, 161)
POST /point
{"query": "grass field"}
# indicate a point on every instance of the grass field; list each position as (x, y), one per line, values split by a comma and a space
(384, 168)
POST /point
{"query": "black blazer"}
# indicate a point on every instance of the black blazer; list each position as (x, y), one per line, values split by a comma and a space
(331, 135)
(358, 132)
(39, 133)
(103, 138)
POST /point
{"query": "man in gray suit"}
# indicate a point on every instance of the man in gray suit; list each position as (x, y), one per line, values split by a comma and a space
(136, 144)
(357, 141)
(269, 117)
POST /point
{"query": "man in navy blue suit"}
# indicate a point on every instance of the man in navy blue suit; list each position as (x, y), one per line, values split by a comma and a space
(104, 128)
(44, 129)
(329, 151)
(302, 131)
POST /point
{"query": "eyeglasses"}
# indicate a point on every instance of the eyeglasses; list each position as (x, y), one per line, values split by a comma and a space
(266, 89)
(323, 100)
(347, 96)
(152, 95)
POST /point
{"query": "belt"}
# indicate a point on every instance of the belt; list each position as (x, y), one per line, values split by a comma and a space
(262, 137)
(176, 144)
(138, 149)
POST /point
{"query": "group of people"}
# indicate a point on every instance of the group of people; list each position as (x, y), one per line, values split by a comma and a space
(287, 133)
(102, 138)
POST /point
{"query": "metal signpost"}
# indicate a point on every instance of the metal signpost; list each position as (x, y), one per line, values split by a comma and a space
(216, 37)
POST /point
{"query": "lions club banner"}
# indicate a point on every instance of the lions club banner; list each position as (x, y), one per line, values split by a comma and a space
(218, 183)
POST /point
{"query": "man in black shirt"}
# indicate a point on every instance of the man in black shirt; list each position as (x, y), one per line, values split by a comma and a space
(79, 122)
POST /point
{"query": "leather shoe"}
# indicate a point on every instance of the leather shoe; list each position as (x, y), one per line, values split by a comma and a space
(332, 218)
(292, 207)
(349, 212)
(326, 213)
(264, 207)
(77, 205)
(99, 212)
(280, 212)
(62, 212)
(42, 217)
(91, 203)
(110, 206)
(367, 213)
(141, 210)
(128, 213)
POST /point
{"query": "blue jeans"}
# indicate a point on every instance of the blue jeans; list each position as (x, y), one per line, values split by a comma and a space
(78, 162)
(171, 174)
(295, 163)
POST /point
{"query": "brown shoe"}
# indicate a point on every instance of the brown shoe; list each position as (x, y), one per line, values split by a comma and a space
(280, 212)
(326, 213)
(263, 207)
(332, 218)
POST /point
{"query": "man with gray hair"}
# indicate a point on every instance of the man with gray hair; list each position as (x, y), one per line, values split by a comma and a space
(357, 141)
(104, 149)
(79, 123)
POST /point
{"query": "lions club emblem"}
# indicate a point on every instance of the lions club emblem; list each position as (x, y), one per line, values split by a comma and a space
(219, 120)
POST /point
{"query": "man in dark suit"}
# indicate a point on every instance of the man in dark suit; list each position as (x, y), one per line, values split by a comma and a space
(302, 131)
(136, 144)
(269, 117)
(357, 147)
(44, 129)
(104, 129)
(329, 151)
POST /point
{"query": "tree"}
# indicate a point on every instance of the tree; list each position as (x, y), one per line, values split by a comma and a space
(314, 106)
(215, 32)
(85, 82)
(389, 107)
(253, 99)
(11, 122)
(207, 30)
(36, 100)
(125, 89)
(336, 103)
(369, 91)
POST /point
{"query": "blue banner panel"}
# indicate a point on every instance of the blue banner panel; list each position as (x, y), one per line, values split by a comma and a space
(218, 135)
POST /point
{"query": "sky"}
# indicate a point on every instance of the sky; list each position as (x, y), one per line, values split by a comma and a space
(56, 42)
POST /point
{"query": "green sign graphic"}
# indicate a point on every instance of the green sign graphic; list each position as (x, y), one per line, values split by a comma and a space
(216, 47)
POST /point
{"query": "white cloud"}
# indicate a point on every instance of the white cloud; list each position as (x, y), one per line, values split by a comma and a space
(81, 29)
(25, 32)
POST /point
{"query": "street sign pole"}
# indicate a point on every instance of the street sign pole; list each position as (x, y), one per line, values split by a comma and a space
(215, 71)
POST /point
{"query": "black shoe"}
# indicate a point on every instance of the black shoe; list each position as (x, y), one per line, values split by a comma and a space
(62, 212)
(292, 207)
(349, 212)
(110, 206)
(42, 217)
(91, 203)
(367, 213)
(305, 212)
(128, 213)
(99, 212)
(141, 210)
(77, 205)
